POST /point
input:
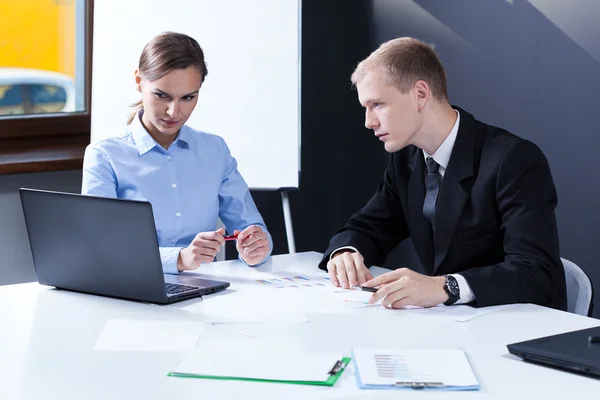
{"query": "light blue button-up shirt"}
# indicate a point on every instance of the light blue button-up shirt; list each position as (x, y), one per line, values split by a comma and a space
(189, 185)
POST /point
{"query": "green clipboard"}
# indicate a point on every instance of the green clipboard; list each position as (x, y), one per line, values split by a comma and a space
(329, 382)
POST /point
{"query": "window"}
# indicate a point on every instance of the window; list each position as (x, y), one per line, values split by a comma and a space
(45, 84)
(25, 97)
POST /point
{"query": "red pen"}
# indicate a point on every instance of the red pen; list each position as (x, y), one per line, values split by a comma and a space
(230, 237)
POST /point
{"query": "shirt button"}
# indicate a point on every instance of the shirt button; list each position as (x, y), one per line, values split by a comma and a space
(169, 158)
(174, 185)
(178, 214)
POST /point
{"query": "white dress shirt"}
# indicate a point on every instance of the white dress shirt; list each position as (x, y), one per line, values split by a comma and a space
(442, 157)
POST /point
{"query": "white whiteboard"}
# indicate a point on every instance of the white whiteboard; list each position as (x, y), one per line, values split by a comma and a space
(251, 96)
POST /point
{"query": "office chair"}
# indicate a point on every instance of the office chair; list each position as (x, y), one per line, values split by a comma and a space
(580, 292)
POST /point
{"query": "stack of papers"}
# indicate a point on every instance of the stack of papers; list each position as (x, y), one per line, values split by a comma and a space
(414, 369)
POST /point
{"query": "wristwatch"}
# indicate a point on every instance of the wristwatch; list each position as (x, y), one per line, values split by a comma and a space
(452, 289)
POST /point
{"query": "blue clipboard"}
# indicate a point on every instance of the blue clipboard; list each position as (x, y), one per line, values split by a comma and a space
(409, 385)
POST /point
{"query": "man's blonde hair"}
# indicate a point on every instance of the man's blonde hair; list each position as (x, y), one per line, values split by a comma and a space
(406, 60)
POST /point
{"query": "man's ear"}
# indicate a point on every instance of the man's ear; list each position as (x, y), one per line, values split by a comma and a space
(422, 94)
(138, 80)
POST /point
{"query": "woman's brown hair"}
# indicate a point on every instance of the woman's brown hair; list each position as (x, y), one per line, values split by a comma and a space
(165, 53)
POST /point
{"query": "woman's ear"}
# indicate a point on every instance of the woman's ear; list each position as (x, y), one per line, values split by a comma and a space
(138, 81)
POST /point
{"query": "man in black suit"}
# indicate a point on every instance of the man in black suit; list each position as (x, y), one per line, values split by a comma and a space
(477, 201)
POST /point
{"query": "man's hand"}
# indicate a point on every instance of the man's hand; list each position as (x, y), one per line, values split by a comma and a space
(347, 269)
(203, 249)
(405, 287)
(252, 244)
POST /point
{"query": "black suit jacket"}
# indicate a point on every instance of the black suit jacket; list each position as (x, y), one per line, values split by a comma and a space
(494, 221)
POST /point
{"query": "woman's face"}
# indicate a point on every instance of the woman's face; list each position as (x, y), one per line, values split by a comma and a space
(168, 102)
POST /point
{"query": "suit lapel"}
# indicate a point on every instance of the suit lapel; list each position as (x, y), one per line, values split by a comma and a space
(420, 230)
(453, 193)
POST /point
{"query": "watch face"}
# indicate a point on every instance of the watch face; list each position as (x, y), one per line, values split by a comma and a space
(452, 289)
(453, 286)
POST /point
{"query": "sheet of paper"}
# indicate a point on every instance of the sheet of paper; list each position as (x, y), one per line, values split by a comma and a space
(240, 307)
(294, 281)
(355, 298)
(245, 344)
(281, 366)
(147, 335)
(466, 313)
(245, 316)
(313, 301)
(460, 313)
(284, 306)
(389, 366)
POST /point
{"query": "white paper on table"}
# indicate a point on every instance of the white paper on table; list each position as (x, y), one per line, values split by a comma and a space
(292, 281)
(467, 313)
(459, 313)
(355, 298)
(388, 366)
(280, 366)
(269, 306)
(252, 307)
(148, 335)
(252, 317)
(245, 344)
(313, 301)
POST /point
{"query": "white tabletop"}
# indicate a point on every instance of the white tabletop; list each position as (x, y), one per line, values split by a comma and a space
(47, 340)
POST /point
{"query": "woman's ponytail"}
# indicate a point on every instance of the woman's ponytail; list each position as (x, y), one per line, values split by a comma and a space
(137, 107)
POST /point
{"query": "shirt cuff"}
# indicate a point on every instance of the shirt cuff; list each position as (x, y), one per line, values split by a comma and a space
(340, 249)
(169, 257)
(466, 294)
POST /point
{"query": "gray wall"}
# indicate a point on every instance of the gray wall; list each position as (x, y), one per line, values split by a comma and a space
(533, 68)
(16, 265)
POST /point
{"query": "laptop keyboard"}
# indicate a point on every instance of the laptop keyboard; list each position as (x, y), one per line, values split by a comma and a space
(174, 288)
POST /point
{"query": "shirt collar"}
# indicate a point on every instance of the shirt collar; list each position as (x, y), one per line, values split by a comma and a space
(144, 142)
(443, 153)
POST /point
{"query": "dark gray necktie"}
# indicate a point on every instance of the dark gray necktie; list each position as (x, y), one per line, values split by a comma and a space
(433, 182)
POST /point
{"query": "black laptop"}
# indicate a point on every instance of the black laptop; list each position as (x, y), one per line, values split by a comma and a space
(571, 351)
(102, 246)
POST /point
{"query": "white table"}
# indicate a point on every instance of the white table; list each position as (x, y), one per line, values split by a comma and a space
(47, 338)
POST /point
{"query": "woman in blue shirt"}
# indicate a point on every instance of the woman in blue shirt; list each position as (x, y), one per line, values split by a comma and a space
(189, 176)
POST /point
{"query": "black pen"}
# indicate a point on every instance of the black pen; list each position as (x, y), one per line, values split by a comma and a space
(594, 339)
(368, 289)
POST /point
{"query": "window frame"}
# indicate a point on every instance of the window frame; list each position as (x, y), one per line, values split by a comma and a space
(50, 142)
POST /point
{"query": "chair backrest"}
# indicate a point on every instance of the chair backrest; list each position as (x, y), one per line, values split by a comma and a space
(579, 289)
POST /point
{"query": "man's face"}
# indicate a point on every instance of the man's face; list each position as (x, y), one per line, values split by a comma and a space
(394, 117)
(169, 101)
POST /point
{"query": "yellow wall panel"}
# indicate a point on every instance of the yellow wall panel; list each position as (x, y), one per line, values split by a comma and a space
(38, 34)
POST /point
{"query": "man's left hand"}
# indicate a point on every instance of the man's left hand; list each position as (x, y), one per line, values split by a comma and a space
(405, 287)
(252, 244)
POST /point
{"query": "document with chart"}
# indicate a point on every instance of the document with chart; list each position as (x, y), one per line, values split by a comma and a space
(445, 369)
